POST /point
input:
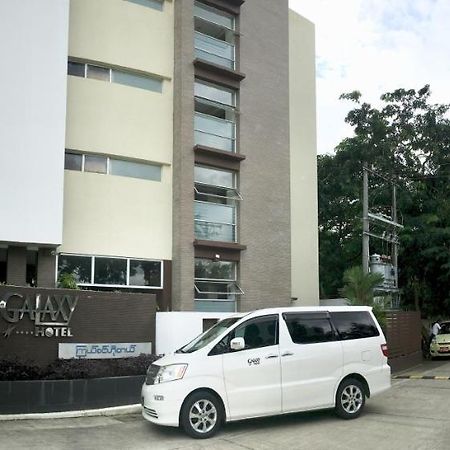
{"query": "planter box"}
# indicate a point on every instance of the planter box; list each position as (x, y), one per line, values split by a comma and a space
(41, 396)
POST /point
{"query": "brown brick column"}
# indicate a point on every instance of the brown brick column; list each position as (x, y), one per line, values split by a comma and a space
(16, 266)
(46, 267)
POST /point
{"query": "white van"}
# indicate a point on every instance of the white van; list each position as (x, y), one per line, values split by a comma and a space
(269, 362)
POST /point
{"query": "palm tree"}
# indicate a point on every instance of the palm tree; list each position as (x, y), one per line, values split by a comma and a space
(359, 286)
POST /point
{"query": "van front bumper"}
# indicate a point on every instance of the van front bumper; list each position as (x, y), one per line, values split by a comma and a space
(161, 403)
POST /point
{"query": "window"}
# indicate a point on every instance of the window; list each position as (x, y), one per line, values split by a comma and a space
(134, 170)
(108, 271)
(110, 75)
(73, 161)
(354, 325)
(257, 333)
(79, 266)
(214, 35)
(111, 166)
(309, 328)
(97, 164)
(214, 118)
(154, 4)
(215, 285)
(215, 208)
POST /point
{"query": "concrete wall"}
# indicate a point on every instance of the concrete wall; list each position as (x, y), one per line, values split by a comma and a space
(303, 169)
(33, 45)
(103, 214)
(264, 139)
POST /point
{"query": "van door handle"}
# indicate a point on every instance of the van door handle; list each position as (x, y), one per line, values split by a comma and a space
(271, 356)
(287, 354)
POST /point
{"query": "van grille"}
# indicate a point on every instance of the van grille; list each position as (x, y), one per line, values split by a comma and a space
(151, 412)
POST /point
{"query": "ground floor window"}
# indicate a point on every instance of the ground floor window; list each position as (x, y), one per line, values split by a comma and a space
(216, 287)
(106, 271)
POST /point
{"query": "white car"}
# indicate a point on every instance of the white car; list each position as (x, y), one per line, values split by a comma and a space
(269, 362)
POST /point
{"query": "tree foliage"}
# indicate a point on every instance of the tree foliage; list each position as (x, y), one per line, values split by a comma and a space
(407, 140)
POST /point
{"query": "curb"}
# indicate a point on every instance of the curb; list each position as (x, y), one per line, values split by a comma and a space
(113, 411)
(419, 377)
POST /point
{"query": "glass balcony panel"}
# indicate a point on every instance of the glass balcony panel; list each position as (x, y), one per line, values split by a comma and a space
(214, 50)
(215, 305)
(209, 140)
(214, 231)
(214, 212)
(213, 125)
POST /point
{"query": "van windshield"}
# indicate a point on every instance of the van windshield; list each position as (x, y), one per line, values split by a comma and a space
(208, 336)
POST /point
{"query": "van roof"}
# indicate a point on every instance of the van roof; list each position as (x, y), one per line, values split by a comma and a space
(308, 309)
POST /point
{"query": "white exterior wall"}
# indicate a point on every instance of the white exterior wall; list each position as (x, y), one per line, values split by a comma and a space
(33, 45)
(175, 329)
(302, 115)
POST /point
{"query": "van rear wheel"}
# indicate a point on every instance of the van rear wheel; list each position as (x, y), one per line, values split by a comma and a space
(350, 399)
(201, 415)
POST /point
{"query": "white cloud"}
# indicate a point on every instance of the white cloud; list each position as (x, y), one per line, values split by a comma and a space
(375, 46)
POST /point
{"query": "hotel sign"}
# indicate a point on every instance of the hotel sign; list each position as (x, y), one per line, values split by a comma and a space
(50, 314)
(103, 351)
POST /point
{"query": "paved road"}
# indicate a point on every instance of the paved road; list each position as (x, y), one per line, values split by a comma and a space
(414, 414)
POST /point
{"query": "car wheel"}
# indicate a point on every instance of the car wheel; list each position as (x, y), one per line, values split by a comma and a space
(350, 399)
(201, 415)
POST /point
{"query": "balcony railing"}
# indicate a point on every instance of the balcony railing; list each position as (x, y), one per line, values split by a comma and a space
(214, 50)
(214, 132)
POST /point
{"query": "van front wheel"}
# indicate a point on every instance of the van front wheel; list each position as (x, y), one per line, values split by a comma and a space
(201, 415)
(350, 399)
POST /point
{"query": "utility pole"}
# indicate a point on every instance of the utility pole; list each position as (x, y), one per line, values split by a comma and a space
(366, 227)
(395, 240)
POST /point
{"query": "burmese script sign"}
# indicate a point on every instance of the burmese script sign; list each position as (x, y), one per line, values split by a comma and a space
(104, 351)
(49, 314)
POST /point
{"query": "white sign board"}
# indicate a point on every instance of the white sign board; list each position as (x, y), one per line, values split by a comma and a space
(103, 350)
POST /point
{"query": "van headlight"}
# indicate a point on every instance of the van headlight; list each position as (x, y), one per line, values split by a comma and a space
(170, 373)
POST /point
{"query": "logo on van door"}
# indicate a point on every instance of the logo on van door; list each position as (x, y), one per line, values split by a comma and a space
(253, 361)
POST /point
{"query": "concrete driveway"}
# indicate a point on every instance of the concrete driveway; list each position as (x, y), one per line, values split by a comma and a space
(414, 414)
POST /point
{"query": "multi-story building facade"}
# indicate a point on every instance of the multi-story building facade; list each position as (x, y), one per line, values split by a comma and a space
(160, 146)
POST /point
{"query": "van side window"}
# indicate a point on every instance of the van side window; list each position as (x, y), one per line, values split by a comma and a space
(259, 332)
(354, 325)
(309, 328)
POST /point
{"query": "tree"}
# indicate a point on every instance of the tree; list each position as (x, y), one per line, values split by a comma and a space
(359, 286)
(407, 140)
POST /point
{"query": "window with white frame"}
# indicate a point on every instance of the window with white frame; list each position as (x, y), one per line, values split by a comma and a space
(110, 75)
(215, 116)
(216, 204)
(214, 35)
(216, 287)
(111, 166)
(105, 271)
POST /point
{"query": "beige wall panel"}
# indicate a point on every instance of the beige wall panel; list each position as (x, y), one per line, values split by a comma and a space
(304, 225)
(123, 33)
(117, 216)
(119, 120)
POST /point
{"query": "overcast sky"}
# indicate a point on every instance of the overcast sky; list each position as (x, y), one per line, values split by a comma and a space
(375, 46)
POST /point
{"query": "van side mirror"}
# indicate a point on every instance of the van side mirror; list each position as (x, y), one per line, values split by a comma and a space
(237, 343)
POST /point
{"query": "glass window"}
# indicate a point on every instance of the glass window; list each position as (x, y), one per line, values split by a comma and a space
(139, 81)
(219, 270)
(257, 333)
(76, 69)
(145, 273)
(110, 271)
(98, 73)
(354, 325)
(95, 164)
(214, 93)
(135, 170)
(213, 15)
(73, 161)
(154, 4)
(214, 177)
(79, 266)
(309, 328)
